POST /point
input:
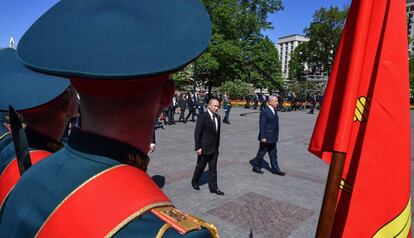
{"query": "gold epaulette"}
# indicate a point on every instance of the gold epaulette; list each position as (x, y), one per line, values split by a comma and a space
(181, 222)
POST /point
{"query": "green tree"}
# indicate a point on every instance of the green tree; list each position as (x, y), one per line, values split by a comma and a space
(266, 69)
(297, 68)
(324, 33)
(298, 62)
(232, 53)
(236, 89)
(184, 77)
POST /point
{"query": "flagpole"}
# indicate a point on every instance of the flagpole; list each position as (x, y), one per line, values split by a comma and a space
(326, 216)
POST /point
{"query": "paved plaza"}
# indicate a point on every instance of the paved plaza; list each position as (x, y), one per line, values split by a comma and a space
(254, 205)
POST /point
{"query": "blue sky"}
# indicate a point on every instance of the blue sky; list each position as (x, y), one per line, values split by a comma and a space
(16, 16)
(297, 15)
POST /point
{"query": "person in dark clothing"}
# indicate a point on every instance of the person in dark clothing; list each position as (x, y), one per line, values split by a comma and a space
(171, 110)
(268, 137)
(226, 107)
(313, 105)
(201, 102)
(207, 142)
(45, 103)
(255, 101)
(294, 103)
(247, 105)
(182, 104)
(191, 104)
(262, 100)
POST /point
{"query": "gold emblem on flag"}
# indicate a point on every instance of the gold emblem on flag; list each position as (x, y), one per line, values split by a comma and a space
(398, 227)
(362, 109)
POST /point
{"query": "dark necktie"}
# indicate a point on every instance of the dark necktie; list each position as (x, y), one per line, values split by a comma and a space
(214, 121)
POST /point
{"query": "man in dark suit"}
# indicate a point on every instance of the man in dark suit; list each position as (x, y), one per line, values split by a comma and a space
(191, 104)
(207, 141)
(268, 137)
(182, 104)
(171, 110)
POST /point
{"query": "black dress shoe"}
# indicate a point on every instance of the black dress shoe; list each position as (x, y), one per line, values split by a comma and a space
(195, 186)
(279, 173)
(217, 191)
(257, 170)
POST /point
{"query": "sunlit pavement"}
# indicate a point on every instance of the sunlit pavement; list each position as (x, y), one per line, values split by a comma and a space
(254, 205)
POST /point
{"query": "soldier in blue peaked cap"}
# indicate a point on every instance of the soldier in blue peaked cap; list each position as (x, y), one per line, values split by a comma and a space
(46, 104)
(117, 54)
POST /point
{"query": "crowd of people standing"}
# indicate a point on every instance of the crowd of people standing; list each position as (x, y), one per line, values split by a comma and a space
(189, 106)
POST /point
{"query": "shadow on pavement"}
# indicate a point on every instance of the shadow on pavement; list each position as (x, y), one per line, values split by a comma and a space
(159, 180)
(247, 113)
(264, 165)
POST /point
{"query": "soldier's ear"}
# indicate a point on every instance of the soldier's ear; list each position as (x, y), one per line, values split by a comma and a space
(70, 105)
(167, 93)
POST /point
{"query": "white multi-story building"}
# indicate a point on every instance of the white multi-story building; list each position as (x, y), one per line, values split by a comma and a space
(410, 26)
(286, 46)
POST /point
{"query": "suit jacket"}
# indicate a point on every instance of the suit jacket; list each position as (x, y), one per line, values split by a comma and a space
(190, 103)
(269, 126)
(206, 136)
(182, 102)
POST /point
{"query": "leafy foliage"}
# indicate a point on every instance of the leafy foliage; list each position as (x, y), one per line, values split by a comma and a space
(184, 77)
(324, 33)
(236, 89)
(238, 51)
(266, 70)
(316, 56)
(298, 62)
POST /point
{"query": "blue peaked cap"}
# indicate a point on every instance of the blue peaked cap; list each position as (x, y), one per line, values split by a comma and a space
(23, 88)
(116, 39)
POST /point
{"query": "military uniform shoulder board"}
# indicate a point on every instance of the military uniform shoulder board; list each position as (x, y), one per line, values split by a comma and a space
(181, 222)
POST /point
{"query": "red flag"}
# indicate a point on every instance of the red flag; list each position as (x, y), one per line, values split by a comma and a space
(365, 114)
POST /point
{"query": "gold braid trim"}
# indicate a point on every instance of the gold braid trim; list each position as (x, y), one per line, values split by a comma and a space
(162, 231)
(210, 227)
(135, 215)
(4, 135)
